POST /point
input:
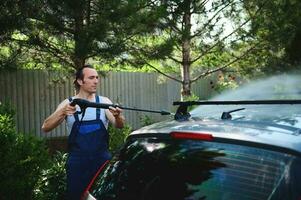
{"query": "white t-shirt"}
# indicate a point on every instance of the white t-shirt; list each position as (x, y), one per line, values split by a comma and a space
(90, 114)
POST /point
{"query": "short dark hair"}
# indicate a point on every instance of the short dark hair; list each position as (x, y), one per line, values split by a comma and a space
(79, 75)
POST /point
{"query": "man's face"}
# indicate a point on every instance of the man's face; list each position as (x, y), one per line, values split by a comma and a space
(90, 80)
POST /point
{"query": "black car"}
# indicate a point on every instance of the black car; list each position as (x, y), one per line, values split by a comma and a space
(221, 150)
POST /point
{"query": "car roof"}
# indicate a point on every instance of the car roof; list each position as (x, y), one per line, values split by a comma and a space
(283, 137)
(270, 125)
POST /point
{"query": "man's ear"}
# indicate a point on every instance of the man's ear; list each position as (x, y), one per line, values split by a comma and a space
(79, 81)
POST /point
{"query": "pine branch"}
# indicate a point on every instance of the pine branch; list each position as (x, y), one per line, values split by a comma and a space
(201, 31)
(153, 67)
(226, 65)
(47, 47)
(162, 73)
(174, 59)
(218, 42)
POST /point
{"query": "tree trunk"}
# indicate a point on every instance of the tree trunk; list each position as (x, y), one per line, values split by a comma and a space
(79, 57)
(185, 72)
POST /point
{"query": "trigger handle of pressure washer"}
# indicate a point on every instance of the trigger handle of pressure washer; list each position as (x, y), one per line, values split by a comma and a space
(82, 103)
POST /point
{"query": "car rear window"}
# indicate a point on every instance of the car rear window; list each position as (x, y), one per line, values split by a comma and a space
(152, 168)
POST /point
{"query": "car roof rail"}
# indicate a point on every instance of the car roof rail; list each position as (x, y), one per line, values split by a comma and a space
(182, 113)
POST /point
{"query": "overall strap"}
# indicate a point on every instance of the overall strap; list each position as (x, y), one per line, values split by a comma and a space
(97, 109)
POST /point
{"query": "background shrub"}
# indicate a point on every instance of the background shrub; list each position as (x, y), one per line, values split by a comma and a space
(22, 158)
(52, 183)
(146, 120)
(27, 171)
(118, 136)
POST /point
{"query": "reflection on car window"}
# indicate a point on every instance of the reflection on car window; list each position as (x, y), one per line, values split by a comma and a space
(191, 170)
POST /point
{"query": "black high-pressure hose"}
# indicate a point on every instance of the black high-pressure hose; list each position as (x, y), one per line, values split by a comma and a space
(83, 104)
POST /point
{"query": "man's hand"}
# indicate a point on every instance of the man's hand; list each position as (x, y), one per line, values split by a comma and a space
(114, 114)
(118, 119)
(115, 111)
(58, 116)
(69, 110)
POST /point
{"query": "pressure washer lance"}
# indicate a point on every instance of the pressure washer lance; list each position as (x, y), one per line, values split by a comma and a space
(83, 104)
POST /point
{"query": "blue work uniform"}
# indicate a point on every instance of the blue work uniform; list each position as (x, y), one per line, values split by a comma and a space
(88, 145)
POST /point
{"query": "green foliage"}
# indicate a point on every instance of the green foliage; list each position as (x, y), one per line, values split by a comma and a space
(7, 108)
(14, 18)
(228, 82)
(22, 159)
(118, 136)
(192, 97)
(13, 15)
(65, 34)
(146, 120)
(52, 183)
(276, 28)
(150, 35)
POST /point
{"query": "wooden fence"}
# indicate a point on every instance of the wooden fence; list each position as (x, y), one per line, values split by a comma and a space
(35, 94)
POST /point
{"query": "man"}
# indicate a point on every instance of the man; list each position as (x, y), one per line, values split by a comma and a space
(88, 137)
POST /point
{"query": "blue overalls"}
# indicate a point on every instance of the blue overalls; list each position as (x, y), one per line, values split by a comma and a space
(88, 150)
